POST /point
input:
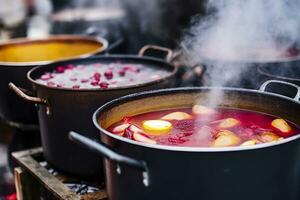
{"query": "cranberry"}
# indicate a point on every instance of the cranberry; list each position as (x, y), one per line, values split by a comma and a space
(94, 83)
(76, 86)
(47, 76)
(70, 66)
(97, 76)
(85, 81)
(51, 84)
(108, 74)
(122, 72)
(73, 79)
(60, 69)
(103, 85)
(131, 68)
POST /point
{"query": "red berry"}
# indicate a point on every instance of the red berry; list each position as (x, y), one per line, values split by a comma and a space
(51, 84)
(108, 74)
(122, 72)
(97, 76)
(47, 76)
(60, 69)
(103, 85)
(84, 80)
(94, 83)
(69, 66)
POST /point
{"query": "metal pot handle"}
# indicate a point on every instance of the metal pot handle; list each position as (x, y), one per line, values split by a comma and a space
(267, 83)
(21, 93)
(103, 150)
(169, 52)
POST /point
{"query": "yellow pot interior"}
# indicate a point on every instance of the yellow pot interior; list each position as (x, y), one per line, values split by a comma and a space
(48, 50)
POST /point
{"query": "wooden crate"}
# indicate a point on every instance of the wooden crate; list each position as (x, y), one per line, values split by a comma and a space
(33, 180)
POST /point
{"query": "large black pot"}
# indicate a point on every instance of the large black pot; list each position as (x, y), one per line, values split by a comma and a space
(61, 110)
(245, 72)
(287, 71)
(12, 109)
(137, 171)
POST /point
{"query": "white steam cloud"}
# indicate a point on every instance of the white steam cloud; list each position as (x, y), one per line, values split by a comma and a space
(236, 32)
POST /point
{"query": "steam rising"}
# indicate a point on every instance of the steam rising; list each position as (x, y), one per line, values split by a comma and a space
(235, 32)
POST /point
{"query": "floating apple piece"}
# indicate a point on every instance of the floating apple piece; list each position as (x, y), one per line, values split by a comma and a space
(157, 127)
(203, 110)
(177, 116)
(250, 142)
(281, 125)
(142, 138)
(119, 130)
(269, 137)
(228, 123)
(130, 130)
(226, 138)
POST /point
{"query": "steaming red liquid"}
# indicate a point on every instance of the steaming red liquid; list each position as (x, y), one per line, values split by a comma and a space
(202, 131)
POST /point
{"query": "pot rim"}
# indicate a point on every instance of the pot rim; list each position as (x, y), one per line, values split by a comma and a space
(261, 70)
(62, 37)
(115, 56)
(146, 94)
(207, 59)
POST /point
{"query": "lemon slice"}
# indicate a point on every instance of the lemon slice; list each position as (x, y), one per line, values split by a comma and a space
(157, 127)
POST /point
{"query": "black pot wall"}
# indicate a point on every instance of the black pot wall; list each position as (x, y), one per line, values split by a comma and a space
(266, 173)
(12, 107)
(263, 174)
(287, 71)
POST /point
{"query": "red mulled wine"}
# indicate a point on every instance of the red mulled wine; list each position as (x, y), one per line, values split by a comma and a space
(201, 126)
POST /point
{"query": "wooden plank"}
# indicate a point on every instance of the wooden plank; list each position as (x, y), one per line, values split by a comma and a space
(49, 181)
(53, 184)
(100, 195)
(26, 186)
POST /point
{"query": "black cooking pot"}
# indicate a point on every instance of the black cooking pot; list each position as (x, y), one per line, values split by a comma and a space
(287, 71)
(246, 72)
(61, 110)
(135, 170)
(18, 56)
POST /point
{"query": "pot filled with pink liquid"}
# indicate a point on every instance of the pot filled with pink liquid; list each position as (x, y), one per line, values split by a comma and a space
(175, 144)
(67, 93)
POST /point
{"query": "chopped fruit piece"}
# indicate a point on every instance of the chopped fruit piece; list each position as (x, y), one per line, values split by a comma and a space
(157, 127)
(225, 139)
(228, 123)
(120, 129)
(281, 125)
(97, 76)
(130, 130)
(108, 74)
(269, 137)
(103, 85)
(177, 116)
(203, 110)
(249, 143)
(143, 138)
